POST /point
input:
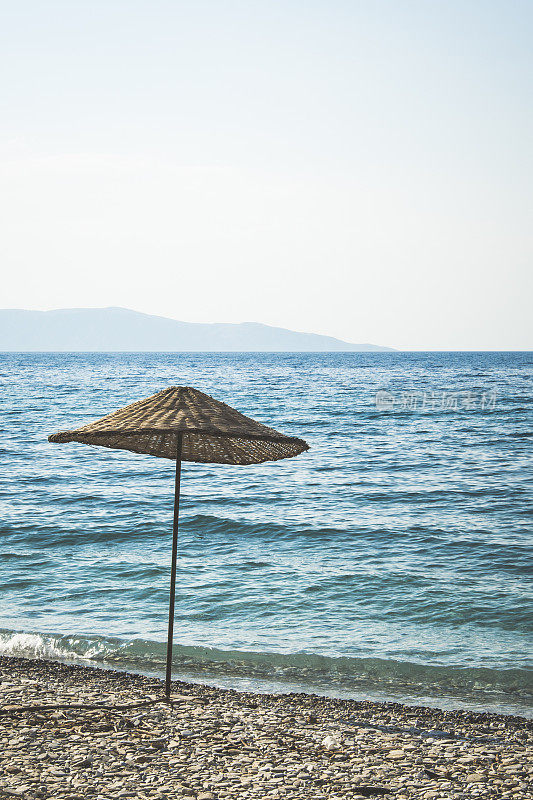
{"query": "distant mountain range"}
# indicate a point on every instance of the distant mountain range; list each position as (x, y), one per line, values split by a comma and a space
(120, 329)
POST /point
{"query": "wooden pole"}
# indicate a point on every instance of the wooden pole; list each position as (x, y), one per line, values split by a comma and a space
(173, 567)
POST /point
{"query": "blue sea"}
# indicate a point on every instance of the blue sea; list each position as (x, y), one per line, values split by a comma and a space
(392, 561)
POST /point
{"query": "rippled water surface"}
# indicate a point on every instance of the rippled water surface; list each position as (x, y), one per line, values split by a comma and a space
(392, 560)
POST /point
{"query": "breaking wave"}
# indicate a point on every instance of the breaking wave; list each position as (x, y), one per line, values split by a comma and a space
(375, 677)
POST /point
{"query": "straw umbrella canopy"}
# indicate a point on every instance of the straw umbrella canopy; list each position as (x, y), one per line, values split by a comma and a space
(184, 424)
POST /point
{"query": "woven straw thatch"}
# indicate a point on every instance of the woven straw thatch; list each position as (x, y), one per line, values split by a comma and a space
(212, 432)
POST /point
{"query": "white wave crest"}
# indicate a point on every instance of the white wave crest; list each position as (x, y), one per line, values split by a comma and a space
(35, 645)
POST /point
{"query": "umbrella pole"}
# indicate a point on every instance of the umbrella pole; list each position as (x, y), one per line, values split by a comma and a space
(173, 567)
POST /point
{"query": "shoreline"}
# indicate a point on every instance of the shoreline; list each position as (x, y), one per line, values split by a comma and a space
(221, 743)
(466, 687)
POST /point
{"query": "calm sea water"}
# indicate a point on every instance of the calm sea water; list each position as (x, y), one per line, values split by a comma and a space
(391, 561)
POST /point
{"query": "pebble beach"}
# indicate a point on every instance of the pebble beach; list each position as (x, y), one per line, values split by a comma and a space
(218, 744)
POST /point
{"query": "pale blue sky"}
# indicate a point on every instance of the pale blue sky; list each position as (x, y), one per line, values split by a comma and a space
(360, 169)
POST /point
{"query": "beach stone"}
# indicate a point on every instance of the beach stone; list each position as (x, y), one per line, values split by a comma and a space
(396, 754)
(331, 743)
(475, 777)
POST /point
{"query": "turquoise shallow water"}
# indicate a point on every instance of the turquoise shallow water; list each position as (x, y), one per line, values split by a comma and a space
(393, 560)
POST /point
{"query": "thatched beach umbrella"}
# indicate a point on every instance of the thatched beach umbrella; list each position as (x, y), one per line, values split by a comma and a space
(185, 424)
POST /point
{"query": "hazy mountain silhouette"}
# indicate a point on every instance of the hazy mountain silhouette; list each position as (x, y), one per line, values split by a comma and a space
(120, 329)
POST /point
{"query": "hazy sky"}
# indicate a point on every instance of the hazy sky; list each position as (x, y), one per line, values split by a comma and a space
(359, 169)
